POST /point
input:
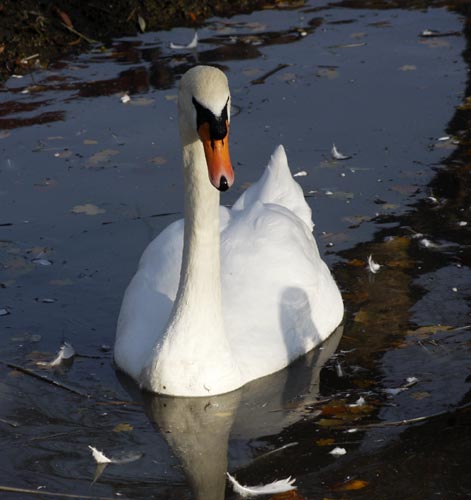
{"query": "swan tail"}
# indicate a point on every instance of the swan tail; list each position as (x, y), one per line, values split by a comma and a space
(277, 186)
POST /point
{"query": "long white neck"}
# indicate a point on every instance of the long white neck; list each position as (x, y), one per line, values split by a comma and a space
(194, 358)
(200, 277)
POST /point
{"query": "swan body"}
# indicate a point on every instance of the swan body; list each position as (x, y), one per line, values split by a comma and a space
(225, 296)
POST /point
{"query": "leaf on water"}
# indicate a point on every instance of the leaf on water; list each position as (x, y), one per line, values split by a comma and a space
(338, 451)
(405, 189)
(90, 141)
(420, 395)
(64, 282)
(101, 157)
(325, 442)
(124, 427)
(424, 331)
(352, 485)
(158, 160)
(356, 263)
(65, 352)
(356, 220)
(329, 72)
(373, 266)
(337, 155)
(408, 67)
(64, 17)
(87, 209)
(330, 422)
(280, 486)
(142, 101)
(435, 43)
(288, 495)
(192, 45)
(362, 316)
(348, 45)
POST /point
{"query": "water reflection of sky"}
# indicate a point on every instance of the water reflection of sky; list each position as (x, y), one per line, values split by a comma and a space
(363, 79)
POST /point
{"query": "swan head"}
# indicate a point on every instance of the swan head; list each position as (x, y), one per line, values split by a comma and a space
(204, 104)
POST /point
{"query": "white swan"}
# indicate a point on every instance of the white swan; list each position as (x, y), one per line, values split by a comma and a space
(225, 296)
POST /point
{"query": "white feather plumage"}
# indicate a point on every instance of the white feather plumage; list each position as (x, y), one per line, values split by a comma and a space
(279, 486)
(65, 352)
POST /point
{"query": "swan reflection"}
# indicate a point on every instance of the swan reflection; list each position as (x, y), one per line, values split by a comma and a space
(204, 432)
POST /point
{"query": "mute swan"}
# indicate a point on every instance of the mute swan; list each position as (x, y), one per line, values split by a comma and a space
(224, 296)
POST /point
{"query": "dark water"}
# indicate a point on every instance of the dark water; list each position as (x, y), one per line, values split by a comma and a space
(364, 79)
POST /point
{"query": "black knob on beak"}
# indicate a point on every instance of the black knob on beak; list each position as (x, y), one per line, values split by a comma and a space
(223, 184)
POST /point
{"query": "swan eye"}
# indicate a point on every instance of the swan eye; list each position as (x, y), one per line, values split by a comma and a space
(217, 124)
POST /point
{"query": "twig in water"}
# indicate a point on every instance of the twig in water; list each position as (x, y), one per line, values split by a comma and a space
(81, 35)
(408, 421)
(44, 378)
(11, 489)
(259, 81)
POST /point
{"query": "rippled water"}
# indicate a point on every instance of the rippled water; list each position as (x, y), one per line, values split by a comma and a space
(86, 181)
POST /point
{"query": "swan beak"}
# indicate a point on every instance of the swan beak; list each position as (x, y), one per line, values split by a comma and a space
(217, 156)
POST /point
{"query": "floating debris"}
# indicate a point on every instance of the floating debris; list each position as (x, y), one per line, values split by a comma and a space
(281, 486)
(373, 266)
(101, 458)
(42, 262)
(359, 402)
(125, 98)
(65, 352)
(426, 243)
(433, 200)
(192, 45)
(337, 155)
(142, 23)
(462, 223)
(410, 381)
(444, 138)
(87, 209)
(428, 33)
(4, 312)
(301, 173)
(338, 452)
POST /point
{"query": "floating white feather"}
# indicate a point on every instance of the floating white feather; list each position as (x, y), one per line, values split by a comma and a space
(65, 352)
(192, 45)
(125, 99)
(301, 173)
(337, 155)
(338, 452)
(99, 456)
(372, 265)
(280, 486)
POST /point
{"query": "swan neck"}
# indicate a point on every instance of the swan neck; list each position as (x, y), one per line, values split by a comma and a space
(200, 273)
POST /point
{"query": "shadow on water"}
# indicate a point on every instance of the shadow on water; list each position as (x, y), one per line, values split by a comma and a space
(86, 181)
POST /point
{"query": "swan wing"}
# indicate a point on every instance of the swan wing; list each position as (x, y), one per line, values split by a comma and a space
(279, 298)
(148, 300)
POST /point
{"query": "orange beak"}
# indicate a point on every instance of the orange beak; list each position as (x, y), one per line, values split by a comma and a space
(218, 160)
